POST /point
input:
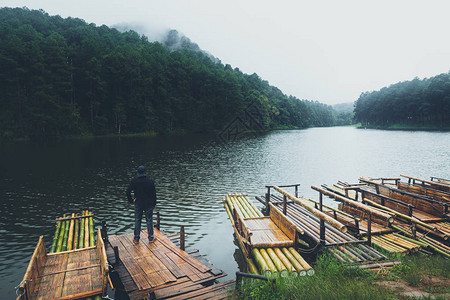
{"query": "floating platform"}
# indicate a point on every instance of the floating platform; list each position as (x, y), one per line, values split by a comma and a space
(74, 274)
(161, 270)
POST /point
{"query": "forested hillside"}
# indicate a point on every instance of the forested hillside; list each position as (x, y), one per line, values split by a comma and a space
(62, 77)
(421, 103)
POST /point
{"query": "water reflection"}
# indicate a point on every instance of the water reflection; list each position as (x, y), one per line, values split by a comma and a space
(40, 182)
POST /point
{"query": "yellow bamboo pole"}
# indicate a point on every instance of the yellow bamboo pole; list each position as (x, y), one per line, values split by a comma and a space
(268, 261)
(402, 242)
(277, 262)
(239, 208)
(245, 212)
(70, 240)
(230, 216)
(77, 232)
(259, 260)
(251, 266)
(86, 230)
(309, 270)
(300, 269)
(285, 261)
(246, 206)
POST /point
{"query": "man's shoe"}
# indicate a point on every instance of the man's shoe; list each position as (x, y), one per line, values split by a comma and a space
(135, 241)
(151, 240)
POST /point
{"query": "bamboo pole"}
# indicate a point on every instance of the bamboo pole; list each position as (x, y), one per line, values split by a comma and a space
(310, 221)
(252, 206)
(86, 230)
(70, 238)
(399, 243)
(316, 212)
(411, 240)
(281, 268)
(359, 205)
(388, 246)
(245, 205)
(61, 236)
(400, 214)
(76, 234)
(66, 236)
(268, 261)
(286, 262)
(239, 208)
(295, 263)
(251, 267)
(261, 263)
(91, 232)
(402, 241)
(228, 211)
(55, 237)
(300, 259)
(81, 239)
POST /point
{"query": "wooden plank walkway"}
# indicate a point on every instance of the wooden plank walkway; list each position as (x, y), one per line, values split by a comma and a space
(163, 268)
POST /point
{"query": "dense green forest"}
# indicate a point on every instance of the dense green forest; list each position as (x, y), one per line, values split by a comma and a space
(61, 77)
(415, 103)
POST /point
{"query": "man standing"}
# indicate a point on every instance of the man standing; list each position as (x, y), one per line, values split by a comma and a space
(144, 202)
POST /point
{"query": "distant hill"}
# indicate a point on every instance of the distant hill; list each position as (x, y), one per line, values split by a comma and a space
(62, 77)
(172, 39)
(344, 107)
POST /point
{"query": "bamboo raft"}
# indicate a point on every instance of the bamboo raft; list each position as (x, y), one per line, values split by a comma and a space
(161, 270)
(72, 274)
(422, 207)
(342, 245)
(420, 213)
(267, 242)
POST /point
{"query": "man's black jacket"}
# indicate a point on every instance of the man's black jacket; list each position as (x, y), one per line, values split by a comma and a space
(144, 192)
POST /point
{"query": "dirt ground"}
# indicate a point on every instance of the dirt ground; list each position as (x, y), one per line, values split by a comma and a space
(425, 288)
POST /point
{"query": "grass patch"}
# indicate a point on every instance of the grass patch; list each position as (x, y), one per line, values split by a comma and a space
(332, 280)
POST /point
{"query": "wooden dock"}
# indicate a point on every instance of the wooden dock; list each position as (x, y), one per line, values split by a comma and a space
(161, 270)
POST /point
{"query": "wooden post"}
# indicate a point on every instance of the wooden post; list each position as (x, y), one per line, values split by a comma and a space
(268, 201)
(182, 240)
(322, 232)
(320, 201)
(151, 295)
(335, 214)
(413, 230)
(116, 254)
(296, 191)
(284, 205)
(104, 232)
(369, 230)
(158, 221)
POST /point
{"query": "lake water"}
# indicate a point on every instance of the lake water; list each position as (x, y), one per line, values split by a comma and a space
(39, 182)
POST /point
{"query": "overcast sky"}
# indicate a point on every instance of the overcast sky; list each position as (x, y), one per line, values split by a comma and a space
(329, 51)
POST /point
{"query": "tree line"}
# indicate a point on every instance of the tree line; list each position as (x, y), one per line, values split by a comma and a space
(413, 103)
(61, 77)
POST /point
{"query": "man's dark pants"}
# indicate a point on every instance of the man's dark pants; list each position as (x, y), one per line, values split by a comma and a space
(138, 211)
